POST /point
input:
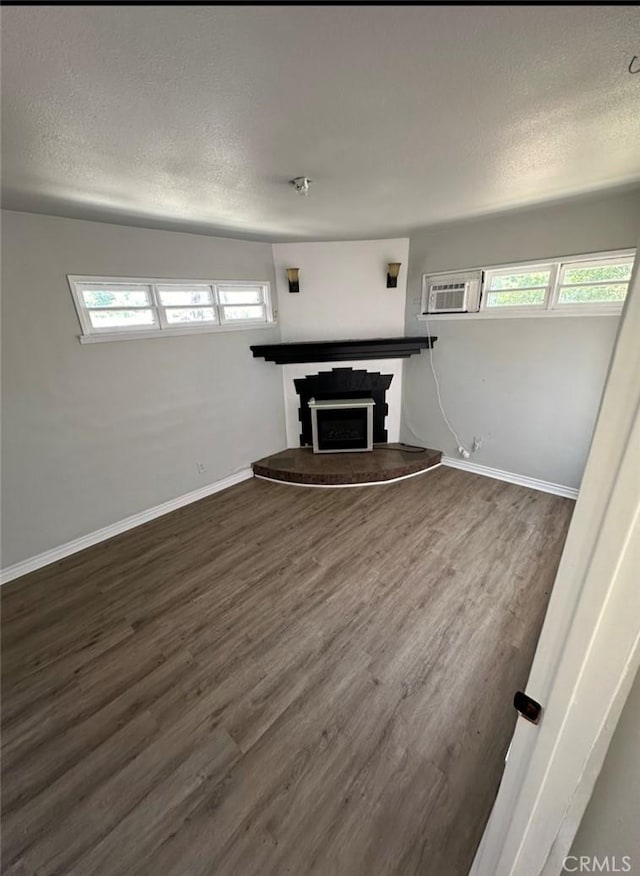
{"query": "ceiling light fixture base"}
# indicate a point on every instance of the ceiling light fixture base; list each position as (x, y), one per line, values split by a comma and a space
(301, 184)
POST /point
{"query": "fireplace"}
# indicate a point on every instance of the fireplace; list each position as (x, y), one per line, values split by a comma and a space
(344, 384)
(342, 425)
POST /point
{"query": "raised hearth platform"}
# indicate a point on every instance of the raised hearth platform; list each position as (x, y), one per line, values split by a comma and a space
(386, 462)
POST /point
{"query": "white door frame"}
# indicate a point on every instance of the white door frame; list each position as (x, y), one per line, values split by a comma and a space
(588, 651)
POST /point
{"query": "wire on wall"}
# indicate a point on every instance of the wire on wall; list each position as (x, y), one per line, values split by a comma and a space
(462, 450)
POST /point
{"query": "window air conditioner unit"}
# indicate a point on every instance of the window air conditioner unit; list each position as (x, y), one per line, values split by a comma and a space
(451, 293)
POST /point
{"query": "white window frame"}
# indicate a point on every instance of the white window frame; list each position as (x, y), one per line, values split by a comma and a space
(490, 273)
(161, 326)
(239, 287)
(184, 328)
(602, 306)
(552, 306)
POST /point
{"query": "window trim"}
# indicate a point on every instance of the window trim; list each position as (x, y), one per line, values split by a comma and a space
(161, 328)
(83, 311)
(162, 309)
(488, 273)
(222, 306)
(552, 307)
(572, 305)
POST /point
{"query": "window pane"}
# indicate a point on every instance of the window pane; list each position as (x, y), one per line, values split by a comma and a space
(190, 314)
(115, 296)
(585, 294)
(185, 296)
(244, 312)
(582, 275)
(121, 318)
(520, 280)
(250, 295)
(517, 298)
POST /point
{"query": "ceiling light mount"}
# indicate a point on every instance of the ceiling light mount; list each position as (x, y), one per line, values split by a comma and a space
(302, 185)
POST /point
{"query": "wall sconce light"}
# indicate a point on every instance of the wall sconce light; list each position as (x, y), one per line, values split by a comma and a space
(293, 276)
(393, 269)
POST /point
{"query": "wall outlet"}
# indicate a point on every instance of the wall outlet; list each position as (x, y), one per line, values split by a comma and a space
(202, 468)
(477, 444)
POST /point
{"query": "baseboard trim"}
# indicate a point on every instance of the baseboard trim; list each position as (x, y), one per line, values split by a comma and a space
(511, 478)
(85, 541)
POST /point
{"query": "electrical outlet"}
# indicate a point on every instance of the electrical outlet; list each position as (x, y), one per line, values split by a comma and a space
(202, 468)
(477, 444)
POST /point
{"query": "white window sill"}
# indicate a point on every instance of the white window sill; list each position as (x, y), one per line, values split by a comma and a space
(101, 337)
(517, 313)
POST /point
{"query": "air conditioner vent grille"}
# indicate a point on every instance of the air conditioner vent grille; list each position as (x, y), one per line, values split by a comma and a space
(455, 293)
(442, 287)
(453, 300)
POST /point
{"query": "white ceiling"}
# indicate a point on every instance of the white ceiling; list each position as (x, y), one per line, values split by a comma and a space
(196, 117)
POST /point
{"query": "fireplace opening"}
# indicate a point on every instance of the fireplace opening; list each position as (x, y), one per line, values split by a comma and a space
(342, 425)
(344, 384)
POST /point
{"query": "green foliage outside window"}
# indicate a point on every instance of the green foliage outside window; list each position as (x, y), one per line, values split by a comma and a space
(575, 287)
(519, 281)
(528, 289)
(520, 297)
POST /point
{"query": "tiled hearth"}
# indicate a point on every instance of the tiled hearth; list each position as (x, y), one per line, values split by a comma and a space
(300, 465)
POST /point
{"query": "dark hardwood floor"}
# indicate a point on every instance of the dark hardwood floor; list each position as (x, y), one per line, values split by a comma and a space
(276, 680)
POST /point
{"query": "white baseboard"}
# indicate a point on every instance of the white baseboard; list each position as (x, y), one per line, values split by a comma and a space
(511, 477)
(85, 541)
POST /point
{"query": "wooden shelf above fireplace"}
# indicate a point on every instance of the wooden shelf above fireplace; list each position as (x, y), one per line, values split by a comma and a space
(342, 351)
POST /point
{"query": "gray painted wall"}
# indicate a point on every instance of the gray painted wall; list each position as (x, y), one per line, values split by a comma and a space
(530, 388)
(610, 823)
(93, 433)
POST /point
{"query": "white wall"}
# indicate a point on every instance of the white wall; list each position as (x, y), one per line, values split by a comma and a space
(343, 294)
(530, 388)
(94, 433)
(343, 289)
(610, 824)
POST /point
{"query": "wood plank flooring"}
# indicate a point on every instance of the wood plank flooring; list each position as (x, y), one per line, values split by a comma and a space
(276, 680)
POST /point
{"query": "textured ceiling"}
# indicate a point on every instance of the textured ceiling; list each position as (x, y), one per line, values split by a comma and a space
(195, 117)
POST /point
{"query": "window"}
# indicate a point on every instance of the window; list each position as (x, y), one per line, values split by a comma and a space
(115, 307)
(594, 282)
(526, 286)
(576, 285)
(240, 302)
(187, 304)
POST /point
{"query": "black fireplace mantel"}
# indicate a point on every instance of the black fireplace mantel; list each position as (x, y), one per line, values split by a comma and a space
(342, 351)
